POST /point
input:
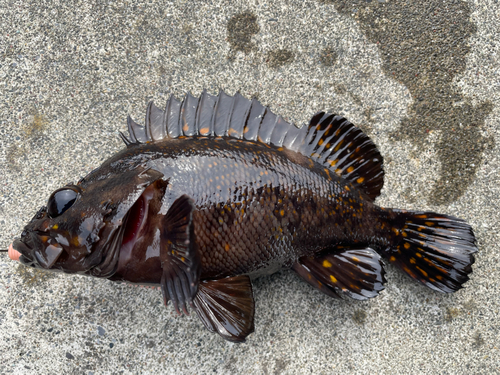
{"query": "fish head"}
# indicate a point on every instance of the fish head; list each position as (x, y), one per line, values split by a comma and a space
(82, 227)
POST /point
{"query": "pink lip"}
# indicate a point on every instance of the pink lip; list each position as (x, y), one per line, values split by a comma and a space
(13, 253)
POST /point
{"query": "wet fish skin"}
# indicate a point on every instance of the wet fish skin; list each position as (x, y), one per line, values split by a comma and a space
(217, 190)
(244, 191)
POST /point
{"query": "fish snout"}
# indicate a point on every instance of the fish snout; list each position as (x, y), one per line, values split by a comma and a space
(13, 253)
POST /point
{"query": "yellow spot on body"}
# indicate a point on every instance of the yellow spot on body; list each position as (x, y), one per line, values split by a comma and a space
(320, 142)
(347, 188)
(282, 212)
(75, 241)
(355, 259)
(350, 169)
(407, 245)
(334, 280)
(333, 162)
(226, 247)
(421, 216)
(204, 131)
(183, 259)
(429, 223)
(413, 261)
(55, 226)
(218, 187)
(404, 234)
(419, 255)
(422, 271)
(395, 231)
(392, 258)
(360, 180)
(326, 264)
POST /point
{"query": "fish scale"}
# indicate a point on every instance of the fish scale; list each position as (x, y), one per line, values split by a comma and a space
(282, 237)
(217, 190)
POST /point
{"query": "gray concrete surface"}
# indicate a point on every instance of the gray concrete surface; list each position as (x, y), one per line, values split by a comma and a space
(422, 78)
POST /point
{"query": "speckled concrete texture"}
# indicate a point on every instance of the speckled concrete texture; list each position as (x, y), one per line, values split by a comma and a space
(421, 78)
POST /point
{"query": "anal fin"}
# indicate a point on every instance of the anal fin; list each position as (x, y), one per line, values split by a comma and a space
(357, 273)
(179, 255)
(226, 306)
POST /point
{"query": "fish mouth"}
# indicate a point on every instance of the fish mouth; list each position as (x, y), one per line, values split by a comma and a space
(21, 251)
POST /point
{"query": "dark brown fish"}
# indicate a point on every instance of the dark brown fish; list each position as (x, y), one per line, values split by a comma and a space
(217, 190)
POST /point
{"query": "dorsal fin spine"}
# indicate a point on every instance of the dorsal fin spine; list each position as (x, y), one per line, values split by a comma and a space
(131, 132)
(228, 119)
(148, 121)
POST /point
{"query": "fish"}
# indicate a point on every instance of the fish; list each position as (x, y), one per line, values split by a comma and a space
(217, 190)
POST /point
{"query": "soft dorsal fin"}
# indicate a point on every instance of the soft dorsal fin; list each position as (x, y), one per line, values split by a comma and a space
(329, 139)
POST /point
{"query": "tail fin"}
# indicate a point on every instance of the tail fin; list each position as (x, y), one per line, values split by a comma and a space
(435, 249)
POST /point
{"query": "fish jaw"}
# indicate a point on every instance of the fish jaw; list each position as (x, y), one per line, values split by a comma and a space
(13, 253)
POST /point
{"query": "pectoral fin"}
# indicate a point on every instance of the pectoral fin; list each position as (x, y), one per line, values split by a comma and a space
(226, 306)
(179, 255)
(357, 273)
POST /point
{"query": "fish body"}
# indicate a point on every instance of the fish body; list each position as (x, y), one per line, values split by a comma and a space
(242, 191)
(215, 191)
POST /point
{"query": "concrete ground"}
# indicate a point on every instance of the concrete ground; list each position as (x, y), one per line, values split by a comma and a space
(422, 78)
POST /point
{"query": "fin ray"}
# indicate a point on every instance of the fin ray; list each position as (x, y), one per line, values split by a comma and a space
(179, 256)
(436, 250)
(355, 272)
(226, 306)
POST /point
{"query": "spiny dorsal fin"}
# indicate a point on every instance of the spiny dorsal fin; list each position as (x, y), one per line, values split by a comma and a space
(329, 139)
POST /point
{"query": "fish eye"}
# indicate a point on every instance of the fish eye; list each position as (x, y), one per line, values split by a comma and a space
(60, 201)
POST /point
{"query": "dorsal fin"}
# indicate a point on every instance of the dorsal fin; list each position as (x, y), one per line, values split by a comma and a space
(342, 147)
(329, 139)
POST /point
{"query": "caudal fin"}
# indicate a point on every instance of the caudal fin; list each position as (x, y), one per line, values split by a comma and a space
(435, 249)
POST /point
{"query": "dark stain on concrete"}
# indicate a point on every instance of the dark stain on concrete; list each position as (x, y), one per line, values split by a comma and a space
(424, 46)
(240, 29)
(359, 317)
(451, 313)
(279, 57)
(477, 340)
(328, 56)
(35, 126)
(14, 154)
(32, 276)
